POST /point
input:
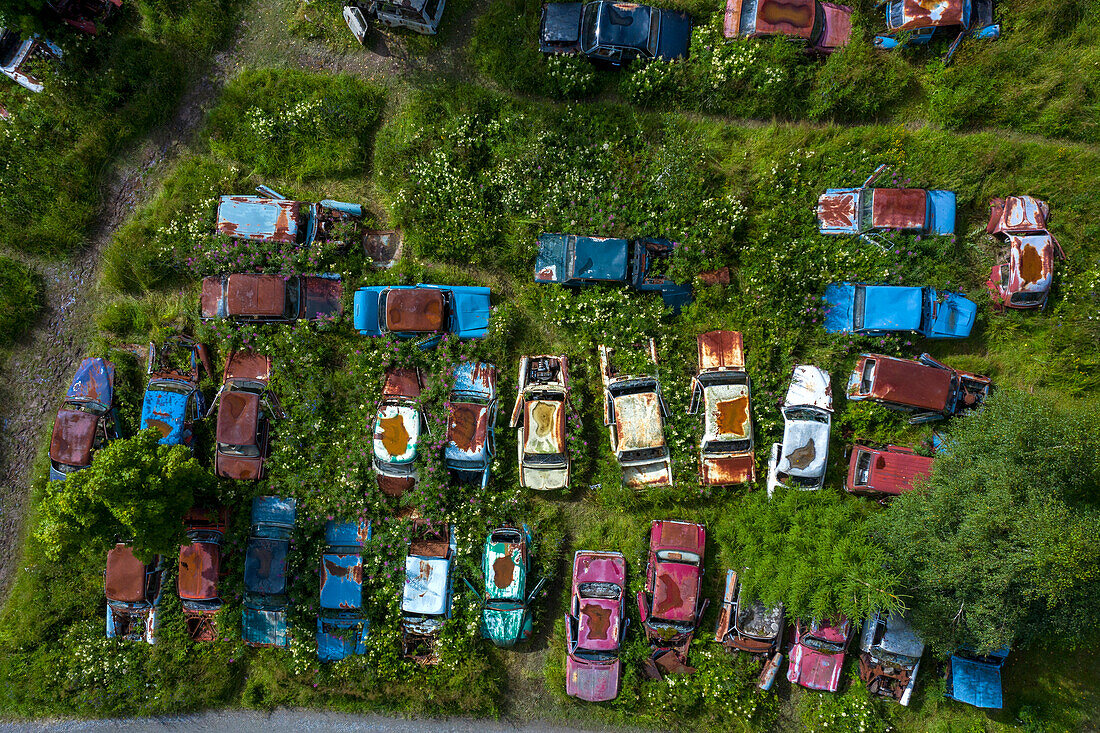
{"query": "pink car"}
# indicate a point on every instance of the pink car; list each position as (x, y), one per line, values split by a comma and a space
(1023, 279)
(817, 653)
(669, 606)
(595, 626)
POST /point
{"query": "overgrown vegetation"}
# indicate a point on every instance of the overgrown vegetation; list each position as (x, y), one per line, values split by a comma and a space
(20, 299)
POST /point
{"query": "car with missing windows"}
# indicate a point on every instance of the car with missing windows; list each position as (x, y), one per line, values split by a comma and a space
(471, 423)
(614, 32)
(824, 27)
(428, 591)
(259, 298)
(1023, 278)
(911, 23)
(87, 419)
(422, 16)
(246, 407)
(341, 625)
(19, 57)
(672, 604)
(200, 571)
(864, 211)
(399, 425)
(890, 652)
(723, 390)
(264, 617)
(745, 624)
(422, 311)
(817, 653)
(273, 219)
(173, 401)
(926, 389)
(133, 590)
(507, 563)
(539, 416)
(799, 462)
(878, 310)
(595, 626)
(886, 471)
(634, 412)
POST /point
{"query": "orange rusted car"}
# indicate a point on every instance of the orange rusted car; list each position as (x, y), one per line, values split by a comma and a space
(722, 388)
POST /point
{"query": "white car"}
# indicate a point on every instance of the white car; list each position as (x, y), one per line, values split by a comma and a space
(799, 461)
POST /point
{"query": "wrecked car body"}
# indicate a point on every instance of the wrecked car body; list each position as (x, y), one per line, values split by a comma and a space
(595, 626)
(885, 472)
(264, 612)
(257, 298)
(748, 625)
(471, 423)
(727, 453)
(799, 462)
(83, 14)
(817, 653)
(925, 388)
(245, 408)
(273, 219)
(912, 23)
(87, 419)
(419, 311)
(875, 310)
(672, 604)
(398, 425)
(865, 210)
(18, 56)
(890, 652)
(539, 416)
(824, 26)
(428, 590)
(1024, 278)
(173, 401)
(634, 412)
(506, 565)
(133, 591)
(341, 626)
(422, 16)
(614, 32)
(975, 679)
(200, 571)
(576, 261)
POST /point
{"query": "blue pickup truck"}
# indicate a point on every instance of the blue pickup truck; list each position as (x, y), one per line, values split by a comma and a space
(874, 310)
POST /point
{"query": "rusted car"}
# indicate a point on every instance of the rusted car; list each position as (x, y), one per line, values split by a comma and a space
(173, 401)
(975, 679)
(200, 570)
(672, 604)
(885, 472)
(613, 32)
(890, 652)
(817, 653)
(83, 14)
(274, 219)
(799, 462)
(19, 56)
(264, 612)
(727, 453)
(539, 415)
(252, 298)
(341, 626)
(245, 408)
(925, 388)
(398, 425)
(422, 311)
(1023, 280)
(823, 26)
(429, 589)
(746, 624)
(87, 419)
(506, 565)
(471, 420)
(133, 591)
(634, 412)
(595, 626)
(910, 23)
(865, 210)
(422, 16)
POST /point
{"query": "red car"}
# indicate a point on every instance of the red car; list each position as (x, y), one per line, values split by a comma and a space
(885, 472)
(245, 407)
(270, 298)
(200, 570)
(670, 605)
(595, 626)
(817, 653)
(1023, 281)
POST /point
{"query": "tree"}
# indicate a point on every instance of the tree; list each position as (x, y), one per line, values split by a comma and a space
(1003, 546)
(136, 490)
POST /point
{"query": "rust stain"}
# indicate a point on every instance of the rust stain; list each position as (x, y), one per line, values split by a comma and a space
(804, 456)
(672, 596)
(162, 427)
(353, 573)
(464, 426)
(795, 14)
(395, 437)
(542, 413)
(425, 570)
(1031, 264)
(837, 211)
(732, 415)
(504, 571)
(599, 620)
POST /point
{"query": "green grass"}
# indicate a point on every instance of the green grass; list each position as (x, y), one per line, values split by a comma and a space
(20, 299)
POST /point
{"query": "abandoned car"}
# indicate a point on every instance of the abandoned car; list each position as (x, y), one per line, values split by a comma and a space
(722, 388)
(133, 591)
(799, 461)
(890, 652)
(817, 653)
(408, 311)
(200, 570)
(264, 612)
(975, 679)
(1023, 280)
(576, 261)
(885, 472)
(422, 16)
(747, 625)
(875, 310)
(506, 565)
(398, 425)
(595, 626)
(276, 220)
(87, 419)
(614, 32)
(245, 408)
(429, 589)
(247, 298)
(634, 412)
(865, 210)
(83, 14)
(18, 57)
(471, 423)
(824, 26)
(341, 626)
(911, 23)
(539, 415)
(925, 388)
(173, 401)
(672, 604)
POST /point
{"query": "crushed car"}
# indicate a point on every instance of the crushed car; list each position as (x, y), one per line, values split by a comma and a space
(264, 612)
(672, 604)
(133, 590)
(87, 419)
(429, 589)
(341, 626)
(422, 311)
(975, 679)
(890, 652)
(257, 298)
(506, 565)
(912, 23)
(614, 32)
(885, 472)
(173, 401)
(635, 412)
(746, 624)
(18, 57)
(877, 310)
(245, 408)
(576, 261)
(595, 626)
(200, 570)
(817, 653)
(823, 26)
(422, 16)
(398, 425)
(1024, 278)
(471, 423)
(274, 219)
(727, 453)
(865, 210)
(925, 388)
(799, 462)
(539, 416)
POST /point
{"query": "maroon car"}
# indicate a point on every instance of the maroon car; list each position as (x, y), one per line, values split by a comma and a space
(245, 407)
(595, 626)
(817, 653)
(271, 298)
(885, 472)
(199, 571)
(925, 388)
(1023, 279)
(670, 606)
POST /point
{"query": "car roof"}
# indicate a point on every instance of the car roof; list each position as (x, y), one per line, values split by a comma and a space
(545, 426)
(624, 24)
(200, 563)
(787, 17)
(259, 218)
(164, 410)
(909, 382)
(124, 578)
(238, 415)
(638, 421)
(899, 208)
(600, 258)
(419, 310)
(930, 13)
(255, 295)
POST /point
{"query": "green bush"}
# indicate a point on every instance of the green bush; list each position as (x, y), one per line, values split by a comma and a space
(20, 299)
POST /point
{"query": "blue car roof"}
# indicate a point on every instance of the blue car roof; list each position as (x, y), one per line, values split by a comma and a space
(94, 380)
(274, 511)
(600, 259)
(341, 581)
(347, 534)
(265, 566)
(164, 411)
(256, 217)
(892, 308)
(975, 682)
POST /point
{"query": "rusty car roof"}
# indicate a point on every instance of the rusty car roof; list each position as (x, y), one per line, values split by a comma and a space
(786, 17)
(238, 415)
(200, 563)
(930, 13)
(638, 421)
(124, 578)
(402, 383)
(728, 412)
(258, 218)
(467, 428)
(247, 365)
(255, 295)
(73, 437)
(908, 382)
(899, 208)
(721, 350)
(418, 310)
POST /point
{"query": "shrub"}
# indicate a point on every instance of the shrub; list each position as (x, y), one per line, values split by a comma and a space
(20, 299)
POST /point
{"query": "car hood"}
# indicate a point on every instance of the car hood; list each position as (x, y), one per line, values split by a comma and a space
(675, 35)
(838, 26)
(503, 627)
(815, 670)
(592, 681)
(365, 311)
(810, 386)
(164, 411)
(953, 315)
(426, 580)
(264, 626)
(261, 219)
(976, 683)
(805, 448)
(471, 311)
(836, 211)
(340, 638)
(396, 433)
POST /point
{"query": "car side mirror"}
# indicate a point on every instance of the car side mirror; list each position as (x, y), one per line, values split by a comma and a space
(990, 32)
(885, 43)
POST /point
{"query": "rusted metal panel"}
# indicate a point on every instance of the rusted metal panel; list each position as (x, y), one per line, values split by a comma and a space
(261, 219)
(721, 276)
(906, 382)
(786, 17)
(837, 210)
(1023, 214)
(236, 467)
(415, 310)
(212, 300)
(125, 577)
(468, 427)
(247, 365)
(255, 295)
(403, 383)
(200, 563)
(728, 412)
(395, 486)
(1031, 263)
(638, 421)
(545, 427)
(899, 208)
(721, 350)
(73, 437)
(238, 417)
(731, 22)
(685, 536)
(891, 472)
(931, 13)
(94, 381)
(738, 469)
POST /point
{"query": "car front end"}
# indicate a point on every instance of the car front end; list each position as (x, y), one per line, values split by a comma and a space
(817, 654)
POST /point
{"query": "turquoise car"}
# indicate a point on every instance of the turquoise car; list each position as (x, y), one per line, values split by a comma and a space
(506, 603)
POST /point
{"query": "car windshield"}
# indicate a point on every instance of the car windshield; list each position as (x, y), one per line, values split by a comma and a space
(859, 303)
(293, 296)
(92, 408)
(588, 29)
(670, 628)
(592, 656)
(786, 478)
(866, 206)
(600, 589)
(654, 31)
(897, 14)
(64, 467)
(819, 24)
(892, 658)
(867, 378)
(1022, 298)
(544, 460)
(500, 604)
(822, 645)
(244, 451)
(642, 454)
(863, 469)
(726, 446)
(174, 387)
(9, 46)
(805, 414)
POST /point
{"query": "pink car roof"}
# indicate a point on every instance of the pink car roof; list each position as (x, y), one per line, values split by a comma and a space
(599, 624)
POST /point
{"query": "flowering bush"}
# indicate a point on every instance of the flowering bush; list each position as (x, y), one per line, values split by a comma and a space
(570, 76)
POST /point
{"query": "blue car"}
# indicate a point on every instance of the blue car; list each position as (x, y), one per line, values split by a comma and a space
(173, 400)
(614, 32)
(408, 311)
(471, 437)
(273, 218)
(865, 210)
(264, 615)
(975, 679)
(917, 23)
(341, 626)
(874, 310)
